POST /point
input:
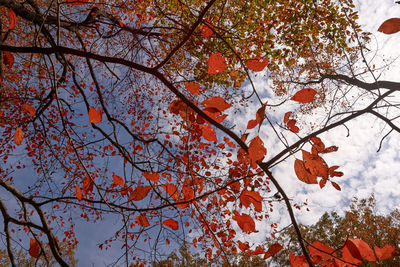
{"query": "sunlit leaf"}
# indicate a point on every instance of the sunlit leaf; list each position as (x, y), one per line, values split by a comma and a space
(305, 95)
(94, 115)
(359, 249)
(208, 133)
(257, 151)
(171, 223)
(303, 174)
(216, 63)
(257, 64)
(390, 26)
(385, 252)
(317, 248)
(192, 87)
(298, 261)
(18, 136)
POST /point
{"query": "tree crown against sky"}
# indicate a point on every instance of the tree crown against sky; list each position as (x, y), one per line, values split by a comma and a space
(144, 111)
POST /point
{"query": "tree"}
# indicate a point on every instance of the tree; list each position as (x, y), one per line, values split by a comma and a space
(127, 109)
(361, 221)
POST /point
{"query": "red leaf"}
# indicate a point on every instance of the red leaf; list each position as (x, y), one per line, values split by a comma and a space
(8, 59)
(286, 118)
(31, 110)
(390, 26)
(315, 165)
(292, 126)
(139, 193)
(358, 247)
(12, 19)
(318, 145)
(216, 102)
(251, 124)
(333, 173)
(273, 249)
(322, 183)
(246, 223)
(257, 151)
(303, 174)
(336, 186)
(243, 246)
(34, 248)
(118, 180)
(330, 149)
(18, 136)
(87, 185)
(142, 221)
(259, 250)
(152, 176)
(94, 115)
(192, 87)
(206, 31)
(208, 133)
(326, 253)
(304, 96)
(386, 252)
(298, 261)
(251, 197)
(78, 193)
(216, 63)
(257, 64)
(171, 191)
(171, 223)
(348, 257)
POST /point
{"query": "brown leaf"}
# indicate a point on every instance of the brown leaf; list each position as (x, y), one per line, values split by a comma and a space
(390, 26)
(303, 174)
(257, 151)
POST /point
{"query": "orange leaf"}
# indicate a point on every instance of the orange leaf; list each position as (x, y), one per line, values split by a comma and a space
(171, 191)
(257, 64)
(171, 223)
(273, 249)
(251, 197)
(34, 248)
(216, 102)
(192, 87)
(322, 183)
(142, 221)
(291, 124)
(251, 124)
(297, 261)
(208, 133)
(139, 193)
(152, 176)
(358, 248)
(336, 186)
(31, 110)
(348, 257)
(390, 26)
(8, 59)
(257, 151)
(286, 118)
(87, 185)
(117, 180)
(216, 63)
(303, 174)
(330, 149)
(386, 252)
(318, 145)
(206, 31)
(12, 19)
(18, 136)
(246, 223)
(320, 249)
(333, 173)
(304, 96)
(78, 193)
(94, 115)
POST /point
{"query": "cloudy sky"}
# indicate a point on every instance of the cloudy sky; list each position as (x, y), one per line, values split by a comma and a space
(366, 171)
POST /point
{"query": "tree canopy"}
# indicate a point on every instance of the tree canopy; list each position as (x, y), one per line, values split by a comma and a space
(146, 113)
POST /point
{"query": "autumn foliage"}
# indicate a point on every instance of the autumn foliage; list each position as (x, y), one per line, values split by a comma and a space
(147, 112)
